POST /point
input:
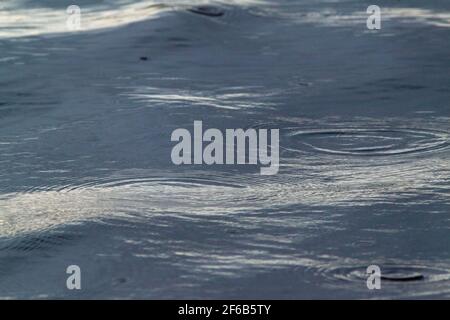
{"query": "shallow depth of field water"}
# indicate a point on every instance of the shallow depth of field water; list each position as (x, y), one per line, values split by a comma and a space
(86, 176)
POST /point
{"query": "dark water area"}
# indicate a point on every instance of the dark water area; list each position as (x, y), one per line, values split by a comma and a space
(86, 176)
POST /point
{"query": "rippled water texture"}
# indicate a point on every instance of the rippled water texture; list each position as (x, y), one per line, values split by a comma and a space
(86, 176)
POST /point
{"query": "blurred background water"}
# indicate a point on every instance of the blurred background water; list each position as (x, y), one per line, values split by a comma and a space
(86, 176)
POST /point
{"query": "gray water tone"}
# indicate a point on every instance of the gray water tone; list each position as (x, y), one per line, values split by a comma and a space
(86, 176)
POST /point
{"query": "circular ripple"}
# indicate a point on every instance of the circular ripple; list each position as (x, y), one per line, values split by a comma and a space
(209, 11)
(389, 273)
(368, 142)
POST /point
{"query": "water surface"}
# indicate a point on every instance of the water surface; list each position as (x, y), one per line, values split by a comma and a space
(85, 170)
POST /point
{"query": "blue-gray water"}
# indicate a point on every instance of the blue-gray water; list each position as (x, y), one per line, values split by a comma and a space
(86, 176)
